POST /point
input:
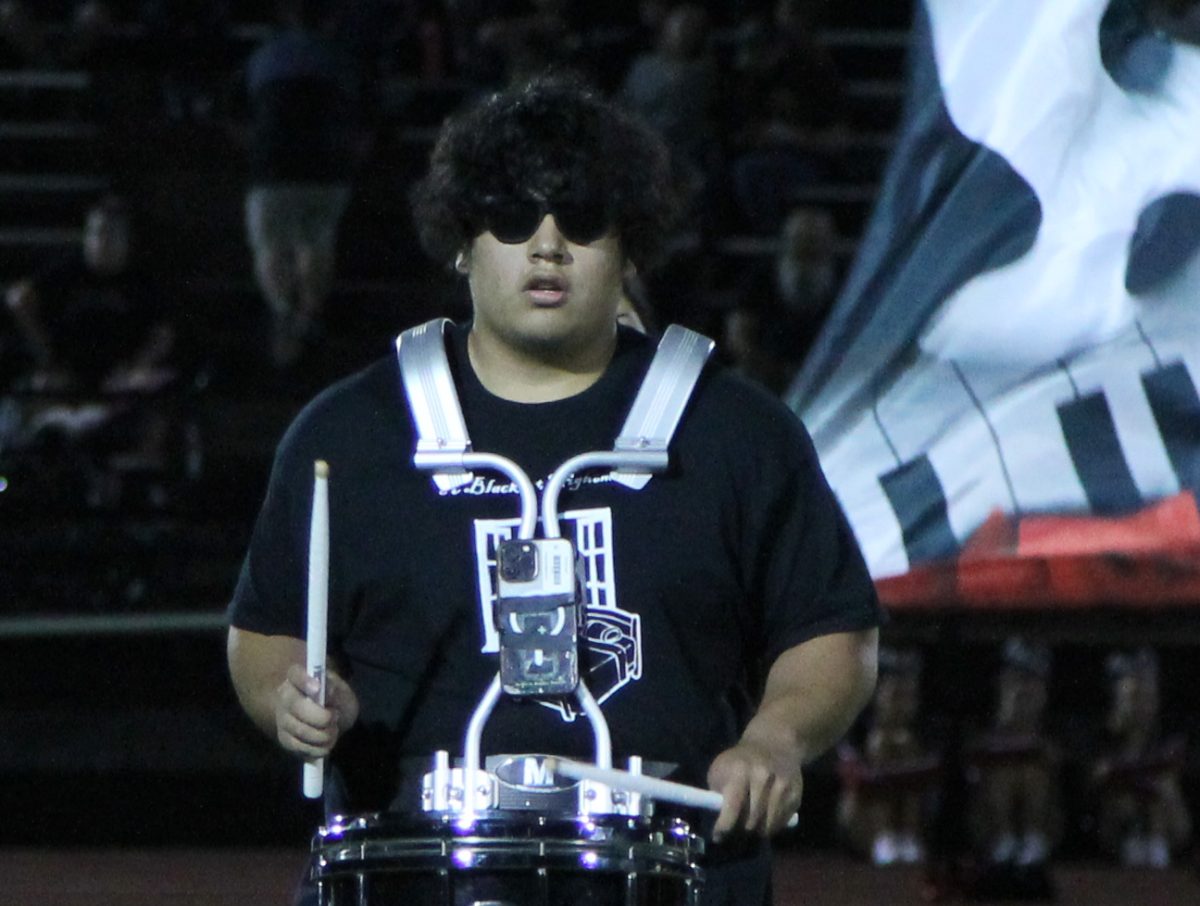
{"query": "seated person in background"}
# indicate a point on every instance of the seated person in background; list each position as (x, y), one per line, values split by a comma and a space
(781, 304)
(791, 127)
(1014, 767)
(1143, 817)
(98, 337)
(884, 786)
(675, 89)
(94, 321)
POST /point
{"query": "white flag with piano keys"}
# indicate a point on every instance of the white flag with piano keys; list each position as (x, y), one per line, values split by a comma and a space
(1021, 329)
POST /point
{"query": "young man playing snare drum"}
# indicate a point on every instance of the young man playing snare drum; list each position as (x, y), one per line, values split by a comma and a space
(741, 625)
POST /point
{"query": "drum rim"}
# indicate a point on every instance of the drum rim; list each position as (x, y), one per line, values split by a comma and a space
(469, 855)
(374, 842)
(342, 826)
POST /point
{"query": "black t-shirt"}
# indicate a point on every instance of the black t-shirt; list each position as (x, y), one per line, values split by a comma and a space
(694, 584)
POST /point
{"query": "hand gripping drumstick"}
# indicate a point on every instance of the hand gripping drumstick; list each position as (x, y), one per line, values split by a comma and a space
(318, 607)
(661, 790)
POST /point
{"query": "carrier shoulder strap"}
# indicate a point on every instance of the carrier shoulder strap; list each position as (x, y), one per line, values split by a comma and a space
(663, 396)
(649, 426)
(433, 398)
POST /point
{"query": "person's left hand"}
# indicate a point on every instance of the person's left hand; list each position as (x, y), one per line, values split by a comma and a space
(762, 788)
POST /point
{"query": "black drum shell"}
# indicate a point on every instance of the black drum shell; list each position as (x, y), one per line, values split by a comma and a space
(503, 858)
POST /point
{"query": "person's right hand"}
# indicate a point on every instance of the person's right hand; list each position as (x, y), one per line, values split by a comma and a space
(304, 727)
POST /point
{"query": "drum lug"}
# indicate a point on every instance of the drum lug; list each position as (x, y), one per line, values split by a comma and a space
(445, 789)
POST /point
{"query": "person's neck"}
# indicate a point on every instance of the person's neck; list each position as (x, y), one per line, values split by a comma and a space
(524, 377)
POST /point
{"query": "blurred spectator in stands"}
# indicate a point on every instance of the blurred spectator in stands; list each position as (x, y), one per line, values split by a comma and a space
(92, 40)
(307, 135)
(652, 16)
(791, 126)
(526, 42)
(188, 44)
(674, 88)
(86, 36)
(94, 322)
(780, 304)
(747, 343)
(886, 784)
(461, 21)
(1013, 767)
(100, 339)
(1143, 817)
(806, 273)
(434, 42)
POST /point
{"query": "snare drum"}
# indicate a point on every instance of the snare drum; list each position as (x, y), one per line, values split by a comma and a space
(506, 858)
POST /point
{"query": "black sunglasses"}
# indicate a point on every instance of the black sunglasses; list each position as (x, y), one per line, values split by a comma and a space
(514, 220)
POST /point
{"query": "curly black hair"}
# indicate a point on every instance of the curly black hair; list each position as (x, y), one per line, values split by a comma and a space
(551, 136)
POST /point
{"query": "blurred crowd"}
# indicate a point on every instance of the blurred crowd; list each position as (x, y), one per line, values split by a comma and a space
(746, 97)
(989, 806)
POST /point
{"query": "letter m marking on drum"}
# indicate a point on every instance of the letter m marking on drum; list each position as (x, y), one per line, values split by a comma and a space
(535, 773)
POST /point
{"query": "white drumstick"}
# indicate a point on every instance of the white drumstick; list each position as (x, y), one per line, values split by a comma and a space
(318, 607)
(661, 790)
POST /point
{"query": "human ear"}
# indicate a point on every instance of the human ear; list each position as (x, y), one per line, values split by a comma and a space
(461, 262)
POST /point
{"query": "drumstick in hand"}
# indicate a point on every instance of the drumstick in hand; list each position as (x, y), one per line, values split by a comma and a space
(318, 607)
(654, 788)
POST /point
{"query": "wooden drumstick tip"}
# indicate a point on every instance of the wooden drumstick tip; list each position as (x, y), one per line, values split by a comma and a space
(321, 468)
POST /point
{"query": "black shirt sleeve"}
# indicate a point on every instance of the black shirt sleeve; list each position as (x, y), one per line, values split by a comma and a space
(802, 562)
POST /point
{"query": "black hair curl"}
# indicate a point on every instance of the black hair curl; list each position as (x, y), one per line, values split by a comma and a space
(551, 136)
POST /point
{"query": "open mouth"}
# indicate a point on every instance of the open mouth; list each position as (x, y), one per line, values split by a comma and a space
(546, 289)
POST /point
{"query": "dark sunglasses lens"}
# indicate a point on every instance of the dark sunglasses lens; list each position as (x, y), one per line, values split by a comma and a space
(581, 222)
(512, 221)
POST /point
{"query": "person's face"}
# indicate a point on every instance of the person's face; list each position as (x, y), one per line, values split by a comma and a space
(1135, 700)
(741, 334)
(106, 242)
(546, 295)
(1022, 697)
(897, 699)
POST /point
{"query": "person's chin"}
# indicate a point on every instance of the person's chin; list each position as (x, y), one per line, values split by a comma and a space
(549, 331)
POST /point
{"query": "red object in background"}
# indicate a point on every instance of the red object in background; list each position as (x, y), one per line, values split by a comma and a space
(1150, 558)
(903, 774)
(1171, 523)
